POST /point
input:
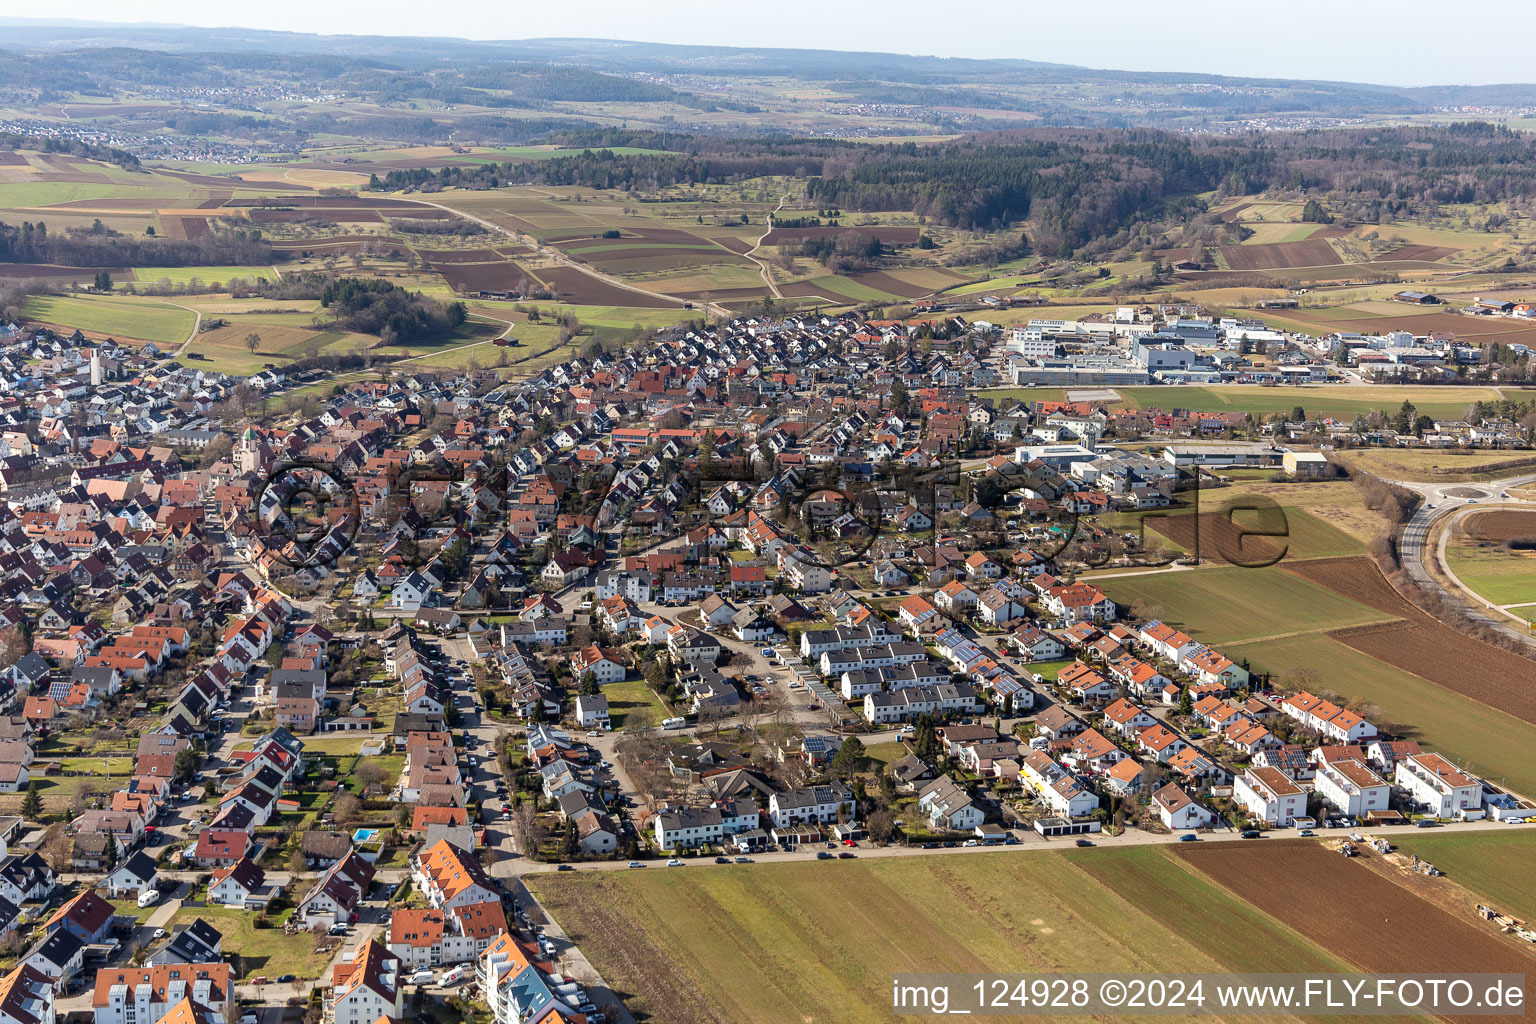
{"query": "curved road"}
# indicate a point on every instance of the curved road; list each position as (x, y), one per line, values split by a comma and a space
(196, 324)
(762, 266)
(1441, 505)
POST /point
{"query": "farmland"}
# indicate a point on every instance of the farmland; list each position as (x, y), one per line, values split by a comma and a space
(1496, 573)
(1434, 464)
(1315, 252)
(1224, 604)
(1251, 531)
(121, 317)
(1401, 933)
(1419, 643)
(1340, 401)
(731, 944)
(1500, 866)
(1478, 552)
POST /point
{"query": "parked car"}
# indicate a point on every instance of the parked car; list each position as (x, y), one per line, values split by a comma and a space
(846, 855)
(674, 863)
(743, 860)
(1308, 833)
(1251, 833)
(722, 860)
(823, 855)
(1082, 842)
(1189, 837)
(566, 867)
(635, 864)
(283, 979)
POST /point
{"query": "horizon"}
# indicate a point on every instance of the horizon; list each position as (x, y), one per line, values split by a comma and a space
(1336, 46)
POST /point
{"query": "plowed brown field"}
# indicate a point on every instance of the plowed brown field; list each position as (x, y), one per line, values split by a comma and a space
(1422, 644)
(1502, 524)
(884, 282)
(1356, 913)
(1314, 252)
(490, 277)
(1416, 252)
(578, 288)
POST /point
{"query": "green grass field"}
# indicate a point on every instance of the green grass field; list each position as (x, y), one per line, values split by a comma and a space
(1498, 865)
(1482, 739)
(263, 951)
(207, 275)
(121, 317)
(1340, 401)
(1000, 395)
(1496, 573)
(1226, 604)
(743, 944)
(634, 698)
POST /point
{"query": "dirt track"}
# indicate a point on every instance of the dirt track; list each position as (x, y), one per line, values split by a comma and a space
(1422, 644)
(1359, 914)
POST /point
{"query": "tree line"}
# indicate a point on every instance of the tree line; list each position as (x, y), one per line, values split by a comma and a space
(103, 247)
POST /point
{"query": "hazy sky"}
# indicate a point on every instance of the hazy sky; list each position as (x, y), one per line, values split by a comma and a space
(1398, 42)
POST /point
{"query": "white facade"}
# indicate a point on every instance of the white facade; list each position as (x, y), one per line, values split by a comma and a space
(1436, 786)
(1269, 796)
(1351, 788)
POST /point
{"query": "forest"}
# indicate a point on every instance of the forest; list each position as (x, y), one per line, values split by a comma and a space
(1077, 185)
(372, 306)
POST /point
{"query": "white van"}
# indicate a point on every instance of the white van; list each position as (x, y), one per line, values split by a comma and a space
(453, 977)
(149, 897)
(421, 977)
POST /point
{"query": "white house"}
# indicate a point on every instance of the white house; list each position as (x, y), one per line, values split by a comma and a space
(592, 711)
(368, 987)
(687, 828)
(1351, 788)
(135, 875)
(812, 804)
(235, 886)
(949, 806)
(1269, 796)
(1178, 809)
(1436, 786)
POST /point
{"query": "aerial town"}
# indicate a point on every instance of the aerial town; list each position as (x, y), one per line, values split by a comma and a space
(296, 702)
(528, 526)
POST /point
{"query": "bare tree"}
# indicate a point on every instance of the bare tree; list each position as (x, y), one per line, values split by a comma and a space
(58, 848)
(252, 341)
(373, 777)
